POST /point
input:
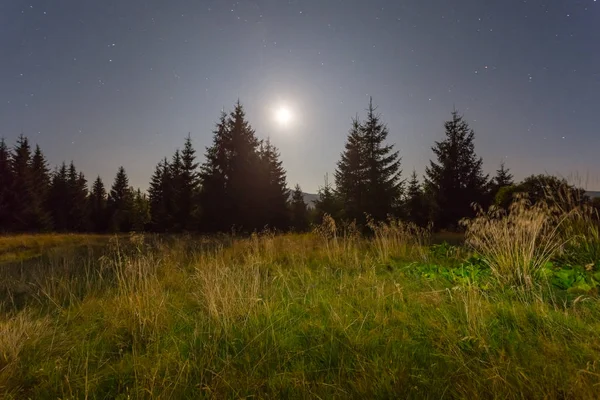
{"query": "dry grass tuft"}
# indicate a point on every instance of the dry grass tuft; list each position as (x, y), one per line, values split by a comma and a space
(516, 243)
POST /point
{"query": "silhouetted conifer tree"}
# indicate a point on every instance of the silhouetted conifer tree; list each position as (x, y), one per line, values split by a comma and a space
(274, 191)
(59, 199)
(176, 184)
(416, 205)
(40, 174)
(160, 198)
(98, 206)
(214, 175)
(78, 217)
(120, 203)
(327, 203)
(6, 185)
(23, 199)
(299, 210)
(503, 177)
(368, 177)
(140, 211)
(350, 175)
(383, 184)
(457, 179)
(231, 177)
(188, 186)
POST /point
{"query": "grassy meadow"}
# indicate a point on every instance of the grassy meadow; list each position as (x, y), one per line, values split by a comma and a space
(512, 313)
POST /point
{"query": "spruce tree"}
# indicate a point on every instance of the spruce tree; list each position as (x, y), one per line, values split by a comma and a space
(503, 177)
(383, 184)
(231, 184)
(78, 217)
(98, 209)
(456, 180)
(160, 198)
(187, 200)
(350, 175)
(59, 199)
(274, 188)
(140, 211)
(327, 203)
(176, 187)
(299, 210)
(23, 199)
(120, 203)
(244, 182)
(214, 175)
(6, 185)
(416, 202)
(40, 174)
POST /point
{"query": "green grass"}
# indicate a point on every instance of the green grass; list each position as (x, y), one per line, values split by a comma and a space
(292, 316)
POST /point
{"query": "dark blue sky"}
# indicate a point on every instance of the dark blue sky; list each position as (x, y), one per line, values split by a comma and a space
(109, 83)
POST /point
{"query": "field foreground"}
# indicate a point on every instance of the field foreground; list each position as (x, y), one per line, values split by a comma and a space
(291, 316)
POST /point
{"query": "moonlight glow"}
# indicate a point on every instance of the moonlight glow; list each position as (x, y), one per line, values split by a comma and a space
(283, 116)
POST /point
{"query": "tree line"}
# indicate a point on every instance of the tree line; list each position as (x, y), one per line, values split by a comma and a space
(241, 186)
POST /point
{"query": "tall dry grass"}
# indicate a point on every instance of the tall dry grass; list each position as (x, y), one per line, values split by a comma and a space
(518, 242)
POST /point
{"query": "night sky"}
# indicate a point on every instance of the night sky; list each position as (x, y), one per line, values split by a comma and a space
(122, 82)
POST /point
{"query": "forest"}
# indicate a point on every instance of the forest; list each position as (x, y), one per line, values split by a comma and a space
(240, 185)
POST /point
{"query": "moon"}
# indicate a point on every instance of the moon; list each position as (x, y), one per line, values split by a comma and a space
(283, 116)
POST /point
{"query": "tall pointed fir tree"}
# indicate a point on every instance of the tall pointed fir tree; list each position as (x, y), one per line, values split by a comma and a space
(176, 179)
(382, 171)
(214, 175)
(231, 177)
(59, 199)
(120, 203)
(327, 202)
(299, 210)
(416, 207)
(160, 198)
(456, 180)
(274, 188)
(40, 174)
(6, 185)
(78, 217)
(23, 199)
(187, 192)
(140, 211)
(503, 177)
(97, 204)
(244, 180)
(502, 182)
(350, 175)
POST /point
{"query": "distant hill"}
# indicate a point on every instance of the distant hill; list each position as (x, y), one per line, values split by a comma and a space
(309, 198)
(593, 194)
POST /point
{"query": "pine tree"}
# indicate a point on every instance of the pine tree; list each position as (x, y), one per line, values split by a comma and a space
(383, 184)
(350, 175)
(274, 188)
(59, 199)
(78, 217)
(176, 187)
(187, 199)
(244, 182)
(214, 175)
(98, 209)
(120, 203)
(457, 179)
(327, 203)
(231, 177)
(503, 177)
(416, 202)
(160, 198)
(299, 210)
(6, 186)
(22, 205)
(140, 211)
(40, 175)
